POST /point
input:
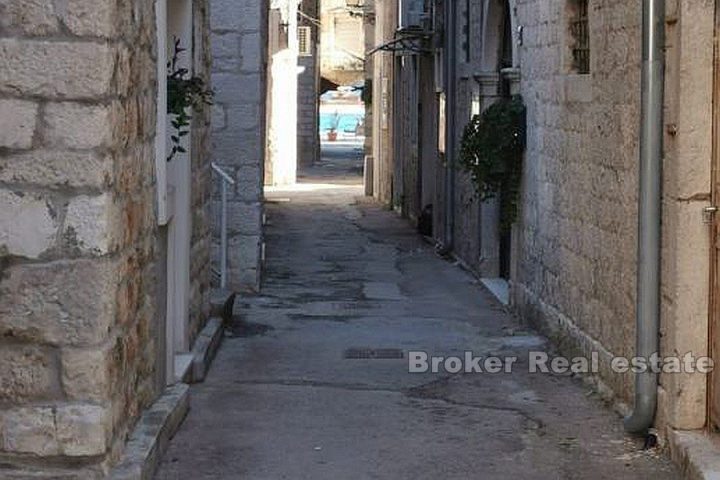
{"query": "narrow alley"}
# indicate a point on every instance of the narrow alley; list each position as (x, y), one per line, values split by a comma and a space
(291, 396)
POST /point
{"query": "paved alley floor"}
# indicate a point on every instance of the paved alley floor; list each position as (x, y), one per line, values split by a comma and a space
(289, 395)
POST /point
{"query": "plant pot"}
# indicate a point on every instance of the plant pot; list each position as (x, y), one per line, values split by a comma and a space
(332, 136)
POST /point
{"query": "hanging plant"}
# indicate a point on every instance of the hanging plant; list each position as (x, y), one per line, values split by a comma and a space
(184, 93)
(492, 150)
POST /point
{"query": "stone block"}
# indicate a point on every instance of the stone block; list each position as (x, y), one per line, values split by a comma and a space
(226, 64)
(89, 17)
(232, 15)
(243, 218)
(77, 125)
(89, 224)
(77, 70)
(86, 373)
(82, 430)
(243, 261)
(249, 180)
(251, 50)
(37, 305)
(26, 372)
(29, 430)
(231, 147)
(17, 123)
(218, 121)
(32, 17)
(28, 224)
(225, 45)
(244, 116)
(236, 89)
(57, 169)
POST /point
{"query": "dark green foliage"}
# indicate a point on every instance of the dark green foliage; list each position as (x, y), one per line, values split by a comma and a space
(492, 150)
(367, 93)
(183, 93)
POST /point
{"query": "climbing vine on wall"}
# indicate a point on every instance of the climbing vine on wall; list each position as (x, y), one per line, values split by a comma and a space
(492, 150)
(184, 93)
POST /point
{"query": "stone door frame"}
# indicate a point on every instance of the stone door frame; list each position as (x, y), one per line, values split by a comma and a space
(174, 18)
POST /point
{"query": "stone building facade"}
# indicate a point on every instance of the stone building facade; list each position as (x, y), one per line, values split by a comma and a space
(576, 240)
(239, 76)
(569, 265)
(308, 140)
(281, 150)
(383, 64)
(83, 252)
(342, 41)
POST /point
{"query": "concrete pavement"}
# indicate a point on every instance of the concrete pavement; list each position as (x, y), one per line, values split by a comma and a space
(294, 402)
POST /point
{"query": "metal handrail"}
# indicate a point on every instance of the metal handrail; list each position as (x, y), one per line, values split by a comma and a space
(226, 180)
(222, 173)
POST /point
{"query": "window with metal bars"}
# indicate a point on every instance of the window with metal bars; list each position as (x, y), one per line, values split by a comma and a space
(580, 33)
(304, 41)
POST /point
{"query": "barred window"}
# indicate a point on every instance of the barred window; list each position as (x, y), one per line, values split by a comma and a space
(580, 36)
(304, 41)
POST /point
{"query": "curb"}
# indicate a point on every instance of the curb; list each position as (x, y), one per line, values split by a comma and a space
(205, 348)
(697, 454)
(152, 434)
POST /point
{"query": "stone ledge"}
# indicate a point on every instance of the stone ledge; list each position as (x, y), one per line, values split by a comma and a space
(696, 452)
(205, 348)
(221, 304)
(151, 435)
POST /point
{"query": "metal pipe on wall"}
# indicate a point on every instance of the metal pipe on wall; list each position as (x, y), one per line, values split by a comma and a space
(450, 102)
(649, 213)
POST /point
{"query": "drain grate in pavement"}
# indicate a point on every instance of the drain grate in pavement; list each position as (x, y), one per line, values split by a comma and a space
(373, 354)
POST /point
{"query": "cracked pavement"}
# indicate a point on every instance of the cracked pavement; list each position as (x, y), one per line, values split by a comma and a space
(343, 273)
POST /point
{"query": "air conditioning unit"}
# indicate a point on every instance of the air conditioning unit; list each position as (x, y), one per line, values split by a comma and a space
(411, 14)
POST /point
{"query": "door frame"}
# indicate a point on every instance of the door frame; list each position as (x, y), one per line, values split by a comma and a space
(713, 380)
(174, 18)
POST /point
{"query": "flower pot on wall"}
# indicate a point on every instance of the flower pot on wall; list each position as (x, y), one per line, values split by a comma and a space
(332, 136)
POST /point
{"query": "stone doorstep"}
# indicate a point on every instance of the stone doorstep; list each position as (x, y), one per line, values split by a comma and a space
(696, 452)
(152, 434)
(205, 348)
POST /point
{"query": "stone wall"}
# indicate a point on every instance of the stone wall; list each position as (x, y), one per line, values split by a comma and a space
(201, 184)
(574, 245)
(577, 237)
(308, 91)
(78, 232)
(282, 84)
(342, 44)
(383, 101)
(405, 171)
(239, 41)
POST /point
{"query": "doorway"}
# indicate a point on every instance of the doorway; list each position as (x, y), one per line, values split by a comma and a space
(174, 22)
(497, 82)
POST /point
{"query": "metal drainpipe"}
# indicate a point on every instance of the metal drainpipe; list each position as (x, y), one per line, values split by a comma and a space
(649, 224)
(450, 89)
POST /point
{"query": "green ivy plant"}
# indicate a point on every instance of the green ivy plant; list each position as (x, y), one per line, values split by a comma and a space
(184, 93)
(491, 152)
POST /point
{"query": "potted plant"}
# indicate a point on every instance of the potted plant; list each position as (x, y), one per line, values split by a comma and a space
(334, 124)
